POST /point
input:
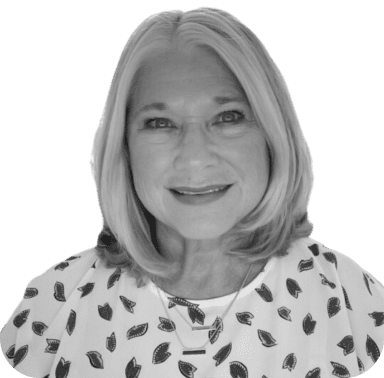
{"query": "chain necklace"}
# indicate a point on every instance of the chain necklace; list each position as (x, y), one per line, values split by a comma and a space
(216, 326)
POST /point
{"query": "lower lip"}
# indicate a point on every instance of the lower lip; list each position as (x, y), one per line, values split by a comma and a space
(200, 199)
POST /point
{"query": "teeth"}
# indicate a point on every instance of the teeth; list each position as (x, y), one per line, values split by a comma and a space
(208, 191)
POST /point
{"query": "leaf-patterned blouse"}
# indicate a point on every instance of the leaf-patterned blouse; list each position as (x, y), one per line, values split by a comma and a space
(312, 313)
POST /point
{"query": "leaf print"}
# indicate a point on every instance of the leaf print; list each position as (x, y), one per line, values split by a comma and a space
(293, 287)
(315, 373)
(196, 315)
(265, 293)
(173, 301)
(111, 342)
(214, 334)
(331, 257)
(30, 292)
(379, 318)
(309, 325)
(347, 344)
(62, 266)
(238, 370)
(105, 311)
(243, 317)
(333, 306)
(53, 346)
(39, 328)
(21, 318)
(128, 305)
(132, 370)
(95, 359)
(187, 369)
(346, 300)
(166, 325)
(11, 351)
(62, 368)
(372, 349)
(340, 370)
(71, 323)
(290, 362)
(305, 265)
(314, 248)
(72, 258)
(367, 283)
(324, 281)
(266, 338)
(20, 355)
(86, 289)
(161, 353)
(361, 366)
(59, 292)
(284, 313)
(137, 331)
(222, 354)
(114, 278)
(94, 265)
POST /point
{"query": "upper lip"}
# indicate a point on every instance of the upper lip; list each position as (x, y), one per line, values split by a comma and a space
(202, 189)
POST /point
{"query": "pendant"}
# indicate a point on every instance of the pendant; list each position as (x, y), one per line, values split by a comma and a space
(194, 351)
(203, 328)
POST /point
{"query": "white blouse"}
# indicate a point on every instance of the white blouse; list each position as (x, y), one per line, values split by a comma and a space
(313, 313)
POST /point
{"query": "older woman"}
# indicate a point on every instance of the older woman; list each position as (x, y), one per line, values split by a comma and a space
(204, 267)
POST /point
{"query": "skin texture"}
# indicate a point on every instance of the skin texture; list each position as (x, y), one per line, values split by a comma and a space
(193, 143)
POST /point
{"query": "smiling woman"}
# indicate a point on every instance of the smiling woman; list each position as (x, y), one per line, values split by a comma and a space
(203, 177)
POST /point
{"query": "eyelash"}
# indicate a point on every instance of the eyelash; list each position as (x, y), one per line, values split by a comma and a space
(238, 112)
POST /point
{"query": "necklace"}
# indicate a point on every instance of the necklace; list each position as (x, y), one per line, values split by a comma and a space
(215, 327)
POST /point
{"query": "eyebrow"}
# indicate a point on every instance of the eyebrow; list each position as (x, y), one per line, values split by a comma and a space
(221, 100)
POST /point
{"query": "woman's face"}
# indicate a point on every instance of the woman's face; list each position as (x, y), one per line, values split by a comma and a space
(194, 139)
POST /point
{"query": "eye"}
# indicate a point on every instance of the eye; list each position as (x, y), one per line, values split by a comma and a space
(157, 123)
(231, 116)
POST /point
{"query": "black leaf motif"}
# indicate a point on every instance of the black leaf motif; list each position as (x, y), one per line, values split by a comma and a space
(166, 325)
(347, 344)
(333, 306)
(284, 313)
(347, 303)
(238, 370)
(30, 292)
(309, 325)
(59, 292)
(53, 346)
(293, 287)
(314, 248)
(243, 317)
(71, 323)
(214, 334)
(11, 351)
(114, 278)
(340, 370)
(62, 266)
(62, 368)
(105, 311)
(72, 258)
(266, 338)
(132, 370)
(372, 349)
(196, 315)
(290, 362)
(222, 354)
(128, 305)
(86, 289)
(315, 373)
(47, 376)
(95, 359)
(187, 369)
(378, 317)
(367, 283)
(39, 328)
(137, 331)
(161, 353)
(305, 265)
(173, 301)
(331, 257)
(20, 354)
(265, 293)
(21, 318)
(324, 281)
(111, 342)
(94, 265)
(361, 365)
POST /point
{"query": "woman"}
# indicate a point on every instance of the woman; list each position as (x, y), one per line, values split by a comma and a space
(204, 267)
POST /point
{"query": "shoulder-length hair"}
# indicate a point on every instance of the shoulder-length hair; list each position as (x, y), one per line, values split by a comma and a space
(128, 238)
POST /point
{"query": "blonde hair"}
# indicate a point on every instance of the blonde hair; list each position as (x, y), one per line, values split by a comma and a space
(129, 235)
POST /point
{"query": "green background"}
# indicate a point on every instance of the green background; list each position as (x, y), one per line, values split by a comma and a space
(56, 66)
